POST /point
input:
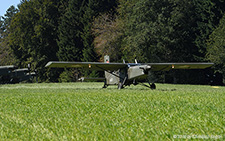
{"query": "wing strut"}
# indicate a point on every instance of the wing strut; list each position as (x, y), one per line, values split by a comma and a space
(120, 84)
(108, 72)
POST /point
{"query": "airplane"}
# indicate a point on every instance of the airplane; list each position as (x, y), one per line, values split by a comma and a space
(125, 74)
(10, 74)
(19, 75)
(5, 72)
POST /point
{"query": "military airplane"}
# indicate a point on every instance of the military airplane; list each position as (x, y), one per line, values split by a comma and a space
(125, 74)
(10, 74)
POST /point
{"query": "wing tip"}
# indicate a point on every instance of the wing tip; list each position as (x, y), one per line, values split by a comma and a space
(48, 64)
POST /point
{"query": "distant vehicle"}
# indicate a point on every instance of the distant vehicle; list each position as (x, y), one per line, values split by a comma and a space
(125, 74)
(10, 74)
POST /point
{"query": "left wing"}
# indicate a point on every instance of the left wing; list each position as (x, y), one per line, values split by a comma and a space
(169, 66)
(87, 65)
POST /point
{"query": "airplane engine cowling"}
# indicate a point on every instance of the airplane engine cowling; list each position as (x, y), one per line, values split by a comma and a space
(140, 71)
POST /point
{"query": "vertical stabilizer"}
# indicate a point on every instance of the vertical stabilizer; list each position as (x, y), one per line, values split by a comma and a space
(106, 59)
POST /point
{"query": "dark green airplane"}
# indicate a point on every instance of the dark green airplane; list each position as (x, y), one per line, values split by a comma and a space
(125, 74)
(10, 74)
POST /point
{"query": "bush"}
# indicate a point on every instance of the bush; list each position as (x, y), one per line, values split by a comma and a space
(69, 75)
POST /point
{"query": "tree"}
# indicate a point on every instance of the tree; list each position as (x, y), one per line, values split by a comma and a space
(6, 54)
(33, 34)
(70, 41)
(155, 30)
(216, 47)
(167, 30)
(108, 32)
(206, 18)
(75, 34)
(93, 8)
(86, 34)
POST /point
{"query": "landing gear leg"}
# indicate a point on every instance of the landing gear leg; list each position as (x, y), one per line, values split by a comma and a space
(105, 85)
(120, 86)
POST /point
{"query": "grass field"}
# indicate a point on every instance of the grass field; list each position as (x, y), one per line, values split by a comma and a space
(84, 111)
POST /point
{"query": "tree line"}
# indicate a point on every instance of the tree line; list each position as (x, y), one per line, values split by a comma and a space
(39, 31)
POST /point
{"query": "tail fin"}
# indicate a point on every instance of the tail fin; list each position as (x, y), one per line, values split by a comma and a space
(106, 59)
(135, 61)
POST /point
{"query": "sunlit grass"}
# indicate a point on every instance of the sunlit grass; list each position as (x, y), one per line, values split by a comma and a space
(85, 111)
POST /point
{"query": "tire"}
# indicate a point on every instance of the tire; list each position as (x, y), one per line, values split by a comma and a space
(153, 86)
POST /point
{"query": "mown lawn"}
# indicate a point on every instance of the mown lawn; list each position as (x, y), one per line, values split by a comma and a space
(84, 111)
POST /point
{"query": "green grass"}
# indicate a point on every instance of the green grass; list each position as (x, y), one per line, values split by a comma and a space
(84, 111)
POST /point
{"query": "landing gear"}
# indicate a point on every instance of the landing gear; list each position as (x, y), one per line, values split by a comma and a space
(105, 85)
(153, 86)
(135, 82)
(120, 86)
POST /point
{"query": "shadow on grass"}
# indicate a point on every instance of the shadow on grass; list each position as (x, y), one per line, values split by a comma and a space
(146, 89)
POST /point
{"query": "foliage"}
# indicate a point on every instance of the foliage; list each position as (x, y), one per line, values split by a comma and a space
(34, 33)
(75, 35)
(84, 111)
(216, 47)
(6, 54)
(70, 43)
(86, 35)
(109, 32)
(208, 13)
(6, 20)
(159, 31)
(69, 75)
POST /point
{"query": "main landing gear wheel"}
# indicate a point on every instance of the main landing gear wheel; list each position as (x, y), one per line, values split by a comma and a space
(153, 86)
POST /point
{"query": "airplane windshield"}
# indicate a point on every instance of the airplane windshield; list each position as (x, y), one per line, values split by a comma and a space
(133, 64)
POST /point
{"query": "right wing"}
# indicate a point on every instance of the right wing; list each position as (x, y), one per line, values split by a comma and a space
(169, 66)
(87, 65)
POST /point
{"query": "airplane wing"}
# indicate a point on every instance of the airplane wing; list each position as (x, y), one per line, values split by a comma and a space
(4, 70)
(169, 66)
(87, 65)
(115, 66)
(7, 67)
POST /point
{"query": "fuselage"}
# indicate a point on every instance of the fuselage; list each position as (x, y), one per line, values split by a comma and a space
(132, 74)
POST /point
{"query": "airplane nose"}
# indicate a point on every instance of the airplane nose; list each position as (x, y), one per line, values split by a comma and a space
(148, 67)
(145, 67)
